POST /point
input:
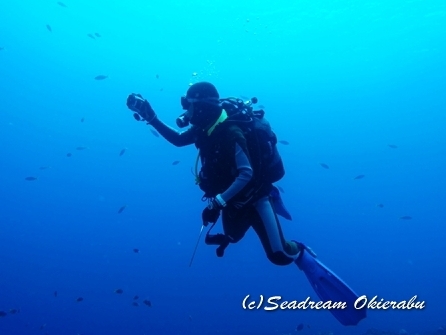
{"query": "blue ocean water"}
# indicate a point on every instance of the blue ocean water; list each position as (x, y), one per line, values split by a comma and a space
(356, 85)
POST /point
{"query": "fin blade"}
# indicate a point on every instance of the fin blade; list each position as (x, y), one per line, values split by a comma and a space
(328, 286)
(278, 204)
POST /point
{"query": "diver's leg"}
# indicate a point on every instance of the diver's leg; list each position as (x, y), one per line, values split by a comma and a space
(236, 222)
(267, 227)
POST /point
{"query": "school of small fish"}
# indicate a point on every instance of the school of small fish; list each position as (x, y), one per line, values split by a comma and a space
(119, 291)
(42, 168)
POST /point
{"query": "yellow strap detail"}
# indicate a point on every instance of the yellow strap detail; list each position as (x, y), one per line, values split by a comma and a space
(223, 116)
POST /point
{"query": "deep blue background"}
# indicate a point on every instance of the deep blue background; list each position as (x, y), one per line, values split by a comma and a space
(340, 81)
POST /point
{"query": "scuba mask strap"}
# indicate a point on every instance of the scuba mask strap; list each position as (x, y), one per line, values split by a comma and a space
(223, 116)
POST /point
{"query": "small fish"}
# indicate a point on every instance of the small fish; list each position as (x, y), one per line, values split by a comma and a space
(380, 205)
(360, 176)
(154, 133)
(2, 48)
(325, 166)
(69, 154)
(79, 299)
(91, 36)
(3, 314)
(280, 189)
(122, 209)
(135, 297)
(194, 74)
(261, 106)
(83, 119)
(55, 293)
(147, 302)
(136, 250)
(44, 167)
(62, 4)
(284, 142)
(134, 303)
(122, 152)
(101, 77)
(49, 28)
(175, 162)
(14, 311)
(31, 178)
(393, 146)
(97, 35)
(157, 76)
(119, 291)
(406, 217)
(81, 148)
(299, 327)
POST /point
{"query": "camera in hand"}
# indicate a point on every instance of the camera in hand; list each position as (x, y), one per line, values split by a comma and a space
(136, 102)
(182, 121)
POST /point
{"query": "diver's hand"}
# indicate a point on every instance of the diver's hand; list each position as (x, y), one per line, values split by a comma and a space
(212, 212)
(210, 215)
(141, 107)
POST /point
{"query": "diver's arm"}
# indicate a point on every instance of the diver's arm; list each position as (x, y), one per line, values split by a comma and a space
(245, 174)
(143, 110)
(175, 137)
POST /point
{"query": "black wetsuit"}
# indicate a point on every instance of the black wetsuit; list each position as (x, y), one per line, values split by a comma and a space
(229, 173)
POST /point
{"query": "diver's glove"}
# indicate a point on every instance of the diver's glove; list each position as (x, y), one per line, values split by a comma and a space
(212, 212)
(141, 107)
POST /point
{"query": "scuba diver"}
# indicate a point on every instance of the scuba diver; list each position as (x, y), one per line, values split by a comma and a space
(239, 164)
(227, 176)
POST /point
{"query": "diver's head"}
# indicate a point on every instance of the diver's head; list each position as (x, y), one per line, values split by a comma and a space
(202, 104)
